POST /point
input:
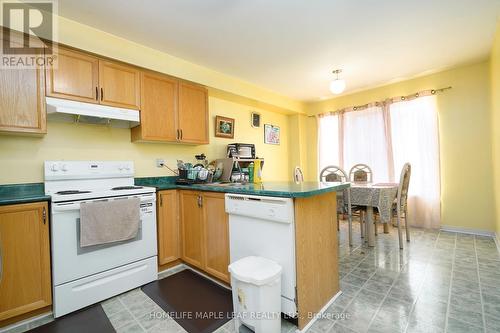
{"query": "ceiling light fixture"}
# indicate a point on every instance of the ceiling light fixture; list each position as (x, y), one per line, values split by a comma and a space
(337, 86)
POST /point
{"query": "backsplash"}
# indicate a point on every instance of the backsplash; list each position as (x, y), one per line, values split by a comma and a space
(21, 158)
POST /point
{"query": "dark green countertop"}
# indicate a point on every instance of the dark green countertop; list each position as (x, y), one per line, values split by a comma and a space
(22, 193)
(33, 192)
(275, 189)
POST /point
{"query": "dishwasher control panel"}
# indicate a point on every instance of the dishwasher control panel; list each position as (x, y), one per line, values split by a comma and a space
(269, 208)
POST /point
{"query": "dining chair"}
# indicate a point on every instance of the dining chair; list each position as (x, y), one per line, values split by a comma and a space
(298, 175)
(333, 173)
(361, 173)
(400, 207)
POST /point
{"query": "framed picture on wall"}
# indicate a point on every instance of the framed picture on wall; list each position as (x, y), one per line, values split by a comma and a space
(271, 134)
(224, 127)
(255, 121)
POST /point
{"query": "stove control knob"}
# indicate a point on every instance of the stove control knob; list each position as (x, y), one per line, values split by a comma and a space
(54, 167)
(64, 167)
(120, 167)
(126, 167)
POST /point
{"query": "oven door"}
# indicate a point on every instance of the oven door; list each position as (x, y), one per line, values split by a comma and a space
(71, 262)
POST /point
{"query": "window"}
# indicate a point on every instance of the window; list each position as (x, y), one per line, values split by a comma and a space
(385, 139)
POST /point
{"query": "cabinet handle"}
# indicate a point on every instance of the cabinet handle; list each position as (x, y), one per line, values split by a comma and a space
(102, 94)
(178, 134)
(199, 201)
(182, 134)
(44, 215)
(96, 93)
(161, 200)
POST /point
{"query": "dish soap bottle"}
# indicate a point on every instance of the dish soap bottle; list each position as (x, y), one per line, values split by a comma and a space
(257, 172)
(250, 172)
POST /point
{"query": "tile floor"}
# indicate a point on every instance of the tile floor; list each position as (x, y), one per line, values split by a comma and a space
(440, 282)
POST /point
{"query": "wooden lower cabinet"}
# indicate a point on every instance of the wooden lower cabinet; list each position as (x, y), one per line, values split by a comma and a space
(168, 227)
(192, 228)
(216, 233)
(205, 234)
(25, 284)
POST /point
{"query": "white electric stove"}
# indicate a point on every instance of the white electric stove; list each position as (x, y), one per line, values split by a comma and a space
(84, 276)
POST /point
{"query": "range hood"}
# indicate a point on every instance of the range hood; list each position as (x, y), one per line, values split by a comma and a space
(71, 111)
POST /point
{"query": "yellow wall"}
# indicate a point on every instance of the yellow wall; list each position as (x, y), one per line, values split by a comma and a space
(465, 139)
(495, 101)
(21, 158)
(297, 139)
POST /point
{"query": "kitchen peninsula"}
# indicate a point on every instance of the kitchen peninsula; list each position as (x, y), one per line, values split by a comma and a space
(205, 236)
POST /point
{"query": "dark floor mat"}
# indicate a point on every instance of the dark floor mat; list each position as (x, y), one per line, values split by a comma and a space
(196, 303)
(90, 319)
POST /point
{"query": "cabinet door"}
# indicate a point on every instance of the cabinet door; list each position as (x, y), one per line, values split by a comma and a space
(75, 77)
(119, 85)
(193, 113)
(22, 100)
(25, 258)
(158, 109)
(192, 228)
(168, 227)
(216, 230)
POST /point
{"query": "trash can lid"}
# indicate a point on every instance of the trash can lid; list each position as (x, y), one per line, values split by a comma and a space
(255, 270)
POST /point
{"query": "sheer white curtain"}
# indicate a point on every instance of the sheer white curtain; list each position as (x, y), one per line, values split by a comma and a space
(328, 141)
(415, 139)
(364, 141)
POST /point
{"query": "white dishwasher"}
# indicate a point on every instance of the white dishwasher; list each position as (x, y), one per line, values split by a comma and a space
(264, 226)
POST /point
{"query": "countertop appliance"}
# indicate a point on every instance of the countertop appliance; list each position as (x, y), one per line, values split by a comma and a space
(84, 276)
(265, 227)
(241, 150)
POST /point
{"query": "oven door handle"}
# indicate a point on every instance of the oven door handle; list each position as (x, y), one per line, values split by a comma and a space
(63, 207)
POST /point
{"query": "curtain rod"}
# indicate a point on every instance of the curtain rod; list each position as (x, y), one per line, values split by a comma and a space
(386, 101)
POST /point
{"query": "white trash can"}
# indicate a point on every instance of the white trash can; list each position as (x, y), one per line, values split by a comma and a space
(256, 284)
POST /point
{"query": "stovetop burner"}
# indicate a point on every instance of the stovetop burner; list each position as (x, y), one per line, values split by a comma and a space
(71, 192)
(120, 188)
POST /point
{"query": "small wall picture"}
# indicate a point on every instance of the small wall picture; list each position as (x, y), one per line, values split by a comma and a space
(224, 127)
(271, 134)
(255, 119)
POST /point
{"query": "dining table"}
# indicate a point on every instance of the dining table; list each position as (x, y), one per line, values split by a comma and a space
(374, 195)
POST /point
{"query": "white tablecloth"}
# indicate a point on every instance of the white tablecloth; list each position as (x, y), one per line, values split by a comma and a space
(378, 195)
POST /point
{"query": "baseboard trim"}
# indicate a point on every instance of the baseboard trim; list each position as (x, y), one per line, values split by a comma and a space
(497, 241)
(27, 324)
(320, 313)
(171, 270)
(470, 231)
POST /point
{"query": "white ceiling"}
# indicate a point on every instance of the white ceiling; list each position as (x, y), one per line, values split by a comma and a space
(291, 46)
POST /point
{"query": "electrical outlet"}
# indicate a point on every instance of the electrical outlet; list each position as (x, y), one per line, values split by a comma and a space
(160, 162)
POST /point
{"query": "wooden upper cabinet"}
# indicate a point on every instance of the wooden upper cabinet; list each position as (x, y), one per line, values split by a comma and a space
(25, 283)
(22, 101)
(158, 109)
(119, 85)
(168, 227)
(75, 77)
(191, 228)
(193, 113)
(216, 235)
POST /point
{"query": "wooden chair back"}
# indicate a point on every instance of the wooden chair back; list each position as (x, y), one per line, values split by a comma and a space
(333, 173)
(298, 175)
(361, 173)
(404, 184)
